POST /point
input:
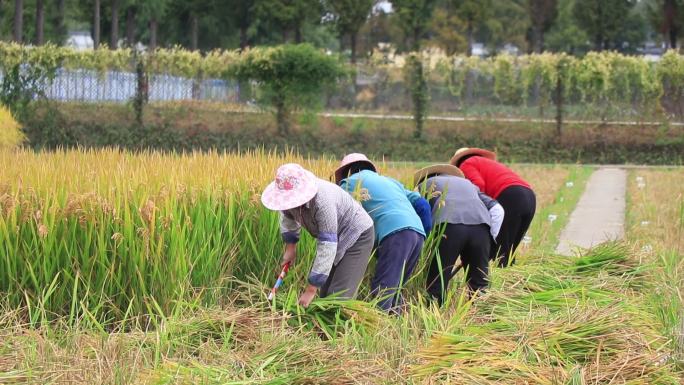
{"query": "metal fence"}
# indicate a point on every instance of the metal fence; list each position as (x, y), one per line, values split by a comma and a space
(116, 86)
(478, 98)
(373, 91)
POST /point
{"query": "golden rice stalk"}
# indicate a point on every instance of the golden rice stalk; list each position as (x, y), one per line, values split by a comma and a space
(10, 131)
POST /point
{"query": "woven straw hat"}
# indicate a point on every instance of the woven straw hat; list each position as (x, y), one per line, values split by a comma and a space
(293, 186)
(346, 163)
(436, 169)
(465, 151)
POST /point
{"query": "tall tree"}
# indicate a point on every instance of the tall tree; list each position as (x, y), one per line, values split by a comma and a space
(18, 21)
(505, 22)
(40, 22)
(414, 18)
(114, 34)
(154, 27)
(289, 16)
(473, 13)
(131, 14)
(350, 15)
(153, 11)
(565, 35)
(96, 23)
(667, 17)
(603, 20)
(244, 14)
(447, 31)
(59, 23)
(195, 10)
(542, 15)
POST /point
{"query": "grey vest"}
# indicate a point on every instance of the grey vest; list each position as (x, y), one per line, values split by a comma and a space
(456, 200)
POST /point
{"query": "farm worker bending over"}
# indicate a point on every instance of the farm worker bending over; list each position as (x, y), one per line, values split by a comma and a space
(401, 218)
(343, 229)
(470, 220)
(508, 188)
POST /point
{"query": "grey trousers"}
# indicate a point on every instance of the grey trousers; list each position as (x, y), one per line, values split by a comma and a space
(345, 277)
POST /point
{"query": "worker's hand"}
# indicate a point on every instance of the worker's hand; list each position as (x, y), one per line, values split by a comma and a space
(308, 295)
(290, 254)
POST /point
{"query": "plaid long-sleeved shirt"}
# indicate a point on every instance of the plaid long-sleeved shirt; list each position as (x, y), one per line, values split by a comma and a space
(334, 218)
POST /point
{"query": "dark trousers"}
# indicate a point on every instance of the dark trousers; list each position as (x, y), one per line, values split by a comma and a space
(519, 204)
(472, 243)
(397, 256)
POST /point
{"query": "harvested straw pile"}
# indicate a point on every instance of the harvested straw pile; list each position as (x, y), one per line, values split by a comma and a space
(556, 321)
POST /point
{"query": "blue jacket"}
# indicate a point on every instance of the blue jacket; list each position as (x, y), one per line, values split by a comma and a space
(388, 202)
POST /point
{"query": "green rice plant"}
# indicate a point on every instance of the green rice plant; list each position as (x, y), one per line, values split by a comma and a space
(126, 236)
(614, 258)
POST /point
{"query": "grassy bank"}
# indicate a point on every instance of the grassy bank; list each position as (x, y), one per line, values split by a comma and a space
(188, 126)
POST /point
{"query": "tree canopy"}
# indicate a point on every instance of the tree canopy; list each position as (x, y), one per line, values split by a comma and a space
(353, 26)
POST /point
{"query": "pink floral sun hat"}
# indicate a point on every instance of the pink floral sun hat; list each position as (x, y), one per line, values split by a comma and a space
(346, 163)
(293, 186)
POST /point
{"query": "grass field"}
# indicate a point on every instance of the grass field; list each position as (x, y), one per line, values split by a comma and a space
(118, 268)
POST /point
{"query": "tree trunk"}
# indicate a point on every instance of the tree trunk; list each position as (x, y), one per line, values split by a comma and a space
(96, 24)
(114, 38)
(141, 92)
(669, 22)
(153, 33)
(194, 32)
(469, 37)
(244, 42)
(194, 39)
(599, 39)
(673, 38)
(352, 43)
(559, 108)
(40, 22)
(130, 26)
(282, 117)
(286, 35)
(537, 38)
(18, 21)
(60, 27)
(416, 39)
(598, 43)
(298, 34)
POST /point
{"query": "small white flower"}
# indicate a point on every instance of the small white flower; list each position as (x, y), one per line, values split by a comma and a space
(641, 185)
(526, 240)
(569, 184)
(552, 217)
(645, 223)
(647, 249)
(640, 179)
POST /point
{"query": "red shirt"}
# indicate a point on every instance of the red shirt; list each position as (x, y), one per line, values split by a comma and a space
(490, 176)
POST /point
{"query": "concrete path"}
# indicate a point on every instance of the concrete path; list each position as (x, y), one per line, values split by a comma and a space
(600, 212)
(494, 119)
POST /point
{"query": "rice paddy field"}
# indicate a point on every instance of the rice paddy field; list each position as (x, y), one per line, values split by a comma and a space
(150, 268)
